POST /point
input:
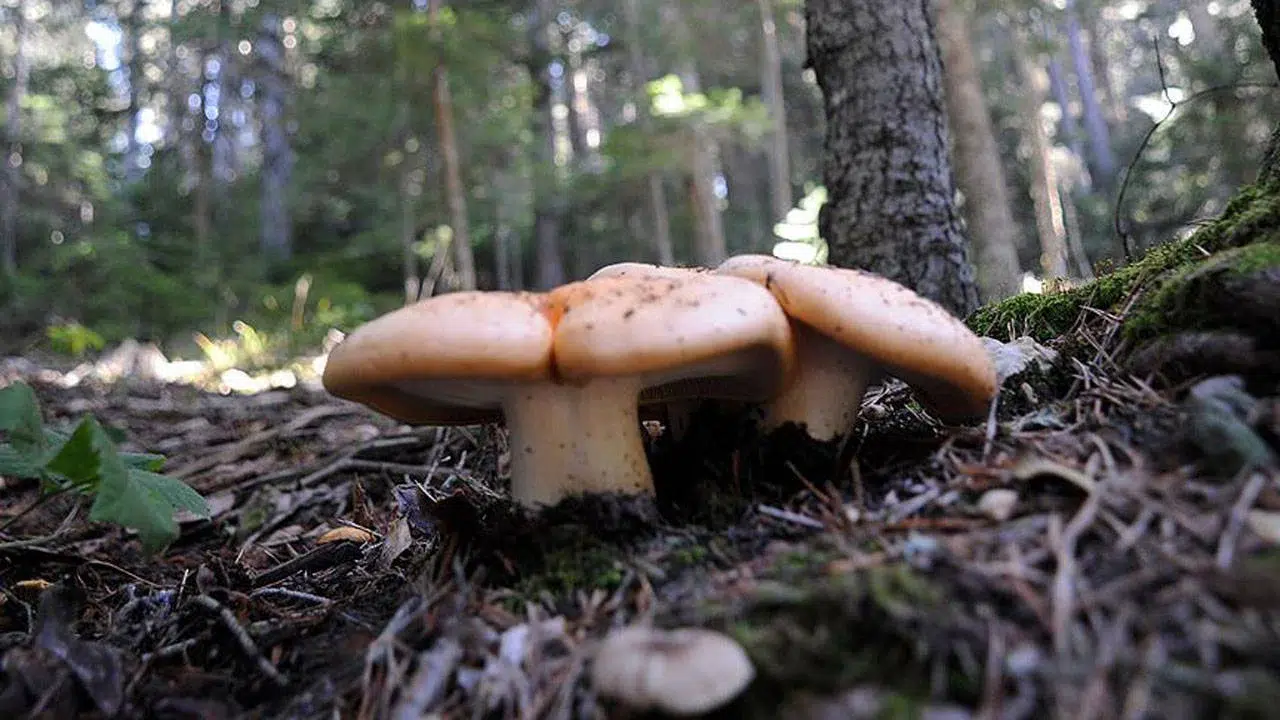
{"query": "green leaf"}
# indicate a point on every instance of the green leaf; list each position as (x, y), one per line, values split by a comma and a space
(143, 461)
(20, 417)
(177, 494)
(80, 457)
(15, 464)
(129, 496)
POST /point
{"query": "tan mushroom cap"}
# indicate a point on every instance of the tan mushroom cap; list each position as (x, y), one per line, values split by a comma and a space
(682, 672)
(677, 333)
(910, 336)
(639, 269)
(446, 360)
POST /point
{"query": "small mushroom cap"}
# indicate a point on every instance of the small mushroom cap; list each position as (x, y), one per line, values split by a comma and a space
(679, 672)
(682, 335)
(636, 269)
(448, 359)
(911, 336)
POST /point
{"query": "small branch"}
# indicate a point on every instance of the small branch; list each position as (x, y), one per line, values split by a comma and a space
(1146, 139)
(242, 637)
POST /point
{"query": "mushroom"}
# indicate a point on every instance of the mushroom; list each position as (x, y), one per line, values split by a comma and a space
(565, 368)
(682, 672)
(659, 404)
(636, 269)
(850, 326)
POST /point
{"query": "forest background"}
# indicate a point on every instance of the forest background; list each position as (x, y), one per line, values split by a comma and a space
(266, 170)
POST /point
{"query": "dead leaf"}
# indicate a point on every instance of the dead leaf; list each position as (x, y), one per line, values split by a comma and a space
(346, 533)
(1029, 467)
(398, 540)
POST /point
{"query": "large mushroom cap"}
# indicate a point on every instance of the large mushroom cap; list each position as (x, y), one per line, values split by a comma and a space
(444, 360)
(726, 336)
(910, 336)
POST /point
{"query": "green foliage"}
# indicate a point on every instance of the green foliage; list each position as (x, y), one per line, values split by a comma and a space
(74, 339)
(126, 488)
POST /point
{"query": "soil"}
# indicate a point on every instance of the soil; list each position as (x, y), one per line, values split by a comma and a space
(1136, 573)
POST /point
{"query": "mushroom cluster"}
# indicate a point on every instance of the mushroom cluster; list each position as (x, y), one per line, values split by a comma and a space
(572, 370)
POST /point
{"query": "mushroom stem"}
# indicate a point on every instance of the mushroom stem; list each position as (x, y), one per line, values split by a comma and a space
(826, 393)
(574, 439)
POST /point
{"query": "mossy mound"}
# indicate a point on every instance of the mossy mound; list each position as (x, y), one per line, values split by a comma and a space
(1251, 219)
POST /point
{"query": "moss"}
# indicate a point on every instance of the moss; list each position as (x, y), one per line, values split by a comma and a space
(1253, 216)
(577, 563)
(883, 625)
(1230, 290)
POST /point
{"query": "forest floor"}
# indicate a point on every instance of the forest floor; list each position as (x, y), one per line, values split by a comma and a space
(1131, 576)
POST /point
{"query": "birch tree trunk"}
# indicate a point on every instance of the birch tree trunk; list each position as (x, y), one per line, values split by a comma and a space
(463, 256)
(771, 84)
(891, 207)
(659, 216)
(277, 154)
(988, 216)
(11, 160)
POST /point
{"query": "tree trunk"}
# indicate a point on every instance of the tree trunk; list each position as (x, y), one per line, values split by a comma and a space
(1267, 13)
(704, 166)
(891, 207)
(771, 83)
(463, 257)
(135, 24)
(1101, 63)
(1044, 196)
(550, 263)
(11, 160)
(1068, 130)
(277, 155)
(659, 217)
(987, 212)
(1103, 159)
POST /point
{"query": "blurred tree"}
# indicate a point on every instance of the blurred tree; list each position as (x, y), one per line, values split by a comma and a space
(980, 177)
(11, 182)
(659, 218)
(891, 208)
(456, 195)
(771, 82)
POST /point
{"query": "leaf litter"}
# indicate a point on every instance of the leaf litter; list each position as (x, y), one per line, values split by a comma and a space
(355, 566)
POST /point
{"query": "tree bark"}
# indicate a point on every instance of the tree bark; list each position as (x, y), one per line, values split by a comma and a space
(1044, 195)
(277, 155)
(891, 207)
(987, 211)
(659, 216)
(11, 159)
(463, 256)
(1267, 13)
(771, 84)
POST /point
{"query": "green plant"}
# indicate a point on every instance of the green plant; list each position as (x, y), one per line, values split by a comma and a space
(127, 489)
(74, 339)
